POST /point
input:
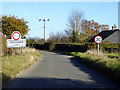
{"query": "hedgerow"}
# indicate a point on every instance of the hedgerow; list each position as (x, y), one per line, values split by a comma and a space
(105, 47)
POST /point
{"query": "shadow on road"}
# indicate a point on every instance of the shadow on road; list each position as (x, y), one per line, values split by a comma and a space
(94, 75)
(50, 83)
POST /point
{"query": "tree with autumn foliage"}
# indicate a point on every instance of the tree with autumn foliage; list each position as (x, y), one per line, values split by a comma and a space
(79, 30)
(91, 28)
(13, 23)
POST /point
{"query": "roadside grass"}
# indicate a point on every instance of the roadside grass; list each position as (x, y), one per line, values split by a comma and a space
(12, 65)
(108, 66)
(112, 55)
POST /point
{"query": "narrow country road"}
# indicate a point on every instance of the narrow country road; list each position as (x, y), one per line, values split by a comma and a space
(60, 71)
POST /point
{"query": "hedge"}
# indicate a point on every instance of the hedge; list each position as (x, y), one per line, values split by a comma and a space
(71, 47)
(106, 47)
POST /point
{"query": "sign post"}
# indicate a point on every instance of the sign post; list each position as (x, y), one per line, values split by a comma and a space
(98, 49)
(11, 50)
(16, 41)
(98, 40)
(21, 50)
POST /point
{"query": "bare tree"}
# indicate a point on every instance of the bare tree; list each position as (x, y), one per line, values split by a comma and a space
(58, 37)
(73, 29)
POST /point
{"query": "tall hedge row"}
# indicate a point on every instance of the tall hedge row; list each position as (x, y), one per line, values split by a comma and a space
(70, 47)
(106, 47)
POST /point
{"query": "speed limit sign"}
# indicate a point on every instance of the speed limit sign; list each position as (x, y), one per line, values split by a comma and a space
(98, 39)
(16, 35)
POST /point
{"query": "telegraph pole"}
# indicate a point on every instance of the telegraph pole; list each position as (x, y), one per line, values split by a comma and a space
(44, 26)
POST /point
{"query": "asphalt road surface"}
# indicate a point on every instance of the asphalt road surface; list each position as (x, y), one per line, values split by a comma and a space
(60, 71)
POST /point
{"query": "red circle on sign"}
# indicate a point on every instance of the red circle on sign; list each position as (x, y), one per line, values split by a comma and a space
(13, 35)
(96, 41)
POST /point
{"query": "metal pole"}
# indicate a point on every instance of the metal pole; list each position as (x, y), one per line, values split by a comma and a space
(44, 31)
(21, 50)
(44, 28)
(98, 49)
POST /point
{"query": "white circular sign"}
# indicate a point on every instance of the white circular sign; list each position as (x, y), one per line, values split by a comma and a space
(98, 39)
(16, 35)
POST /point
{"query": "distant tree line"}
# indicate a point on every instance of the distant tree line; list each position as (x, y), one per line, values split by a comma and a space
(35, 41)
(77, 30)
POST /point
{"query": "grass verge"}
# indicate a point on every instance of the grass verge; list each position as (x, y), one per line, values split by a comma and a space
(108, 66)
(12, 65)
(112, 55)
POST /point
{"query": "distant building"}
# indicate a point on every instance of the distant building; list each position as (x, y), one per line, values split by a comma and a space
(109, 36)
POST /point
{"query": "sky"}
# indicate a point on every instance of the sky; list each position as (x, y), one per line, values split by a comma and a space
(119, 15)
(58, 13)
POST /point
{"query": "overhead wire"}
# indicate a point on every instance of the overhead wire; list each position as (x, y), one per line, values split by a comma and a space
(37, 28)
(28, 5)
(32, 9)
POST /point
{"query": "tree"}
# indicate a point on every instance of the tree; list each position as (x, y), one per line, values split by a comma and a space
(30, 41)
(73, 29)
(12, 23)
(105, 27)
(55, 37)
(35, 40)
(40, 41)
(91, 28)
(58, 37)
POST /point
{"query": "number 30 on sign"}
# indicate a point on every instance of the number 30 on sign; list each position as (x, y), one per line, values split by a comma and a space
(98, 39)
